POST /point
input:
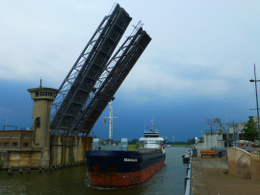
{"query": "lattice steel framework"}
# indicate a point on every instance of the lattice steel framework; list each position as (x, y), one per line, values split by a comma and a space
(82, 78)
(117, 70)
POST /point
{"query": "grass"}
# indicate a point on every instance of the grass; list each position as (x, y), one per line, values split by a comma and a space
(132, 147)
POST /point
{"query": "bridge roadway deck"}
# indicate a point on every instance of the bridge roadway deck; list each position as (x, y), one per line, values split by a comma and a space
(209, 176)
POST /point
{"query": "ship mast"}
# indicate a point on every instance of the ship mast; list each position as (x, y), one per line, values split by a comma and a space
(110, 121)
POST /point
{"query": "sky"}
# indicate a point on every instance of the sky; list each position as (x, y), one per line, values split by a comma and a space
(197, 66)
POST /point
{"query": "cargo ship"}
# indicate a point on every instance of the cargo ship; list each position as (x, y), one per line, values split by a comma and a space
(115, 166)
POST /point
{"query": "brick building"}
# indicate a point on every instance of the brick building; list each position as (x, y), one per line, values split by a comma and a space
(15, 139)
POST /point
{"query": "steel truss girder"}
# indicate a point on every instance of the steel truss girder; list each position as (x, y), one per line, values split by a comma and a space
(80, 81)
(118, 68)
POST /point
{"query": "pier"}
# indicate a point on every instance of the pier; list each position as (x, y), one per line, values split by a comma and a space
(210, 176)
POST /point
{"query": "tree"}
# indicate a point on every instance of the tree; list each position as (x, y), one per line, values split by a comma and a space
(134, 141)
(191, 141)
(250, 130)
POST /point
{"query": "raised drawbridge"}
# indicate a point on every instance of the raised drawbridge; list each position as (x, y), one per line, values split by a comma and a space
(96, 76)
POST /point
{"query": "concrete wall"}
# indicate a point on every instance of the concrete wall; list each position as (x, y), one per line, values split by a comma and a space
(10, 158)
(25, 158)
(210, 140)
(62, 150)
(68, 149)
(243, 164)
(2, 159)
(255, 167)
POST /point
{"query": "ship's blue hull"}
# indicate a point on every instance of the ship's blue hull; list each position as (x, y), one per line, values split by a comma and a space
(122, 168)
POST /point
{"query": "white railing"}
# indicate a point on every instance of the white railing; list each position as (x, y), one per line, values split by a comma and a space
(187, 179)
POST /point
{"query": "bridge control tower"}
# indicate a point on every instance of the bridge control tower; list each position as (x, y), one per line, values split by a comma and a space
(43, 98)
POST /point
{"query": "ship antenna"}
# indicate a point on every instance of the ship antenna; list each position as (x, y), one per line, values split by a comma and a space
(152, 125)
(144, 124)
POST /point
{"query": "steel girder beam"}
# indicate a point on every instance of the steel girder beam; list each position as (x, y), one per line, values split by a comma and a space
(121, 64)
(80, 81)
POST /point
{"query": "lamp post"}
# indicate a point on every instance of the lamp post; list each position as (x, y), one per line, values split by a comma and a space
(256, 103)
(227, 128)
(6, 120)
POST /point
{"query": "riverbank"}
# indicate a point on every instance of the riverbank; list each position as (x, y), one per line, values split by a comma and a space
(210, 176)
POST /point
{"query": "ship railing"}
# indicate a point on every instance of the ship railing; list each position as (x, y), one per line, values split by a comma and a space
(187, 179)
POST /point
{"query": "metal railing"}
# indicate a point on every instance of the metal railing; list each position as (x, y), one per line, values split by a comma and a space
(219, 148)
(187, 179)
(214, 131)
(252, 147)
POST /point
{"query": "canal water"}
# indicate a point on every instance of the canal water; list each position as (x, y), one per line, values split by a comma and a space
(73, 180)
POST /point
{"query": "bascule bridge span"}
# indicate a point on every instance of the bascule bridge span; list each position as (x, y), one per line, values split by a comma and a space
(64, 118)
(96, 76)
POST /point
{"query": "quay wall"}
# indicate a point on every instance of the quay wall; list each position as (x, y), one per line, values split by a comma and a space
(68, 149)
(243, 164)
(63, 150)
(14, 158)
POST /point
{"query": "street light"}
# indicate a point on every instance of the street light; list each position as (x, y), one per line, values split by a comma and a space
(256, 103)
(227, 128)
(6, 120)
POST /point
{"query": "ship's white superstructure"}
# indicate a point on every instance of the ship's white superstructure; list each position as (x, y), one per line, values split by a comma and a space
(151, 139)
